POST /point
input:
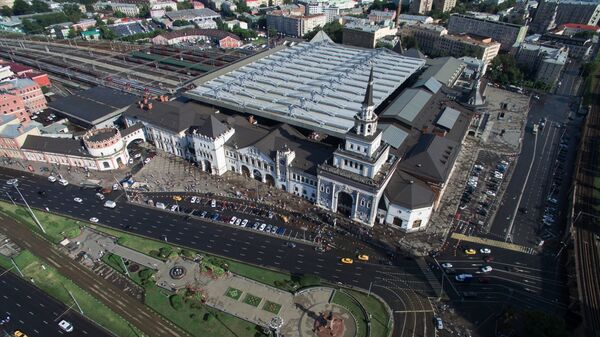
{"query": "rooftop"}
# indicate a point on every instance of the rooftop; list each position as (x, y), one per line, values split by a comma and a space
(219, 34)
(93, 105)
(408, 191)
(66, 146)
(175, 116)
(188, 14)
(318, 86)
(432, 158)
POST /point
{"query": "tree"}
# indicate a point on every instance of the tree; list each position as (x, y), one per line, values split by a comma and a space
(243, 33)
(504, 69)
(184, 5)
(176, 302)
(144, 11)
(242, 6)
(21, 7)
(332, 29)
(6, 11)
(72, 12)
(119, 14)
(72, 34)
(168, 9)
(39, 6)
(181, 23)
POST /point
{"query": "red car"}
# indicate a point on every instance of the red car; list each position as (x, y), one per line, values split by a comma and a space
(488, 259)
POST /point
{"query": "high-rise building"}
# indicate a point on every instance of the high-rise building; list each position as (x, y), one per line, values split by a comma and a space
(420, 6)
(444, 5)
(294, 23)
(546, 62)
(507, 34)
(435, 41)
(552, 13)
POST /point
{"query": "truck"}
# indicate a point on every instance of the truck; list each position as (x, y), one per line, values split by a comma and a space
(535, 128)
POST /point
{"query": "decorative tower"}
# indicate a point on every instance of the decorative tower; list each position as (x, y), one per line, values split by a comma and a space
(365, 122)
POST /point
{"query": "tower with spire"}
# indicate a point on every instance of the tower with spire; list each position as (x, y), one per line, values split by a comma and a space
(353, 183)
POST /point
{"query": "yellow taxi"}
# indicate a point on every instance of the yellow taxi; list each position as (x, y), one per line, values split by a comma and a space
(347, 260)
(177, 198)
(19, 334)
(363, 257)
(470, 251)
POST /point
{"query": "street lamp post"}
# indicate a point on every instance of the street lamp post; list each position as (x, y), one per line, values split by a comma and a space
(29, 208)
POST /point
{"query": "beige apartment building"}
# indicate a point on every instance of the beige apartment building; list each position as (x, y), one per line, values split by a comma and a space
(435, 41)
(507, 34)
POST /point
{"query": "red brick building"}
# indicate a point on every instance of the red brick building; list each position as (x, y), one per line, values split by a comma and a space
(224, 39)
(29, 91)
(23, 71)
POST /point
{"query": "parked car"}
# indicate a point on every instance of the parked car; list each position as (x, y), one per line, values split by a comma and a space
(161, 205)
(262, 227)
(52, 179)
(244, 223)
(233, 220)
(63, 182)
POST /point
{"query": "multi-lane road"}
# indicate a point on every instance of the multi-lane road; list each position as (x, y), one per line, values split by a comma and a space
(35, 313)
(531, 182)
(402, 285)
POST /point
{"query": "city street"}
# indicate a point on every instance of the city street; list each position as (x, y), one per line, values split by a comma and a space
(35, 313)
(531, 183)
(413, 312)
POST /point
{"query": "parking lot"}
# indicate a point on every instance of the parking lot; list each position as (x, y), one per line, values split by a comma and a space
(485, 183)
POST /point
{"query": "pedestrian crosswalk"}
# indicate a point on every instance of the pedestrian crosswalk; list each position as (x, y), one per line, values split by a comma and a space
(431, 279)
(494, 243)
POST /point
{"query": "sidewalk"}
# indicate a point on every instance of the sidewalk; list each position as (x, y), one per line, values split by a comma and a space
(126, 306)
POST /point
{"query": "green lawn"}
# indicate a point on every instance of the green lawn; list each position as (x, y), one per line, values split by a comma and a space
(197, 319)
(113, 261)
(233, 293)
(347, 302)
(252, 300)
(144, 245)
(272, 307)
(379, 315)
(50, 281)
(57, 227)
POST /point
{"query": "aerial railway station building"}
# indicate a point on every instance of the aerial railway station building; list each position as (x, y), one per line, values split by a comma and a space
(322, 121)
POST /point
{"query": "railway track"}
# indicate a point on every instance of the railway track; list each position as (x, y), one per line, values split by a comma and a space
(586, 220)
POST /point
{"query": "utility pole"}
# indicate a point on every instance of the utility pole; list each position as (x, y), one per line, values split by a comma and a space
(29, 208)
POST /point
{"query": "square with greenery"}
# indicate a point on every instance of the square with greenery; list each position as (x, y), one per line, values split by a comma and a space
(233, 293)
(252, 300)
(272, 307)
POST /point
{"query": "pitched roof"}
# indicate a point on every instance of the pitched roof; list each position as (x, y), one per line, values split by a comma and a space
(308, 154)
(211, 127)
(414, 52)
(430, 84)
(66, 146)
(431, 159)
(408, 192)
(408, 105)
(93, 104)
(393, 135)
(177, 116)
(321, 36)
(215, 33)
(448, 118)
(443, 69)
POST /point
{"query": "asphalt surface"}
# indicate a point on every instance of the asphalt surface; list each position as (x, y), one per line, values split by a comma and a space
(36, 314)
(531, 184)
(517, 280)
(413, 312)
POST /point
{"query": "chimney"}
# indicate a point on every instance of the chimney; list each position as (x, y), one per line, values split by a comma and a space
(149, 106)
(252, 120)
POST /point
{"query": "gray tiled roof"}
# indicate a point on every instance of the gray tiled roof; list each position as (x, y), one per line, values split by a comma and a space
(448, 118)
(93, 104)
(430, 84)
(408, 105)
(409, 192)
(442, 69)
(176, 116)
(66, 146)
(431, 159)
(393, 135)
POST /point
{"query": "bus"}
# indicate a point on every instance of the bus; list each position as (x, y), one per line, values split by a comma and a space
(534, 129)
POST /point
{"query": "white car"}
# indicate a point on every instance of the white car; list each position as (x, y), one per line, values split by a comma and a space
(110, 204)
(94, 220)
(213, 203)
(486, 269)
(262, 227)
(490, 193)
(78, 200)
(137, 155)
(52, 179)
(12, 181)
(174, 208)
(485, 251)
(244, 223)
(232, 221)
(160, 205)
(116, 186)
(193, 201)
(238, 222)
(63, 182)
(439, 324)
(446, 265)
(147, 160)
(65, 326)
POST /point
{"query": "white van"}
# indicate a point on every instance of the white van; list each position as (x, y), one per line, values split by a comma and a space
(160, 205)
(110, 204)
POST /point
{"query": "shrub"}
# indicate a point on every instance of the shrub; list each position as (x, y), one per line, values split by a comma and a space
(176, 302)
